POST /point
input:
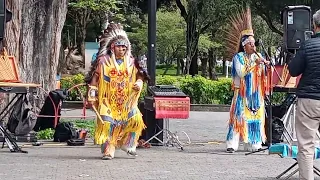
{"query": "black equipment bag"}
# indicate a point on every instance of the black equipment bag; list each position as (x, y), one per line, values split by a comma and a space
(277, 130)
(76, 142)
(22, 120)
(64, 132)
(47, 109)
(278, 112)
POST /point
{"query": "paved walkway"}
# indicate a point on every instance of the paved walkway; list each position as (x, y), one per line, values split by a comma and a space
(200, 160)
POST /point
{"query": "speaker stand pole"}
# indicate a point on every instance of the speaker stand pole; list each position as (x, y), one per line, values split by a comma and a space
(152, 30)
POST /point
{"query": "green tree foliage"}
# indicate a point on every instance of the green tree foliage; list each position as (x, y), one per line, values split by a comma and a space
(170, 36)
(200, 16)
(270, 10)
(81, 12)
(206, 43)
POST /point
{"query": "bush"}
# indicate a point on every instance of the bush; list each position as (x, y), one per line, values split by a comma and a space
(223, 92)
(199, 89)
(278, 97)
(167, 80)
(46, 134)
(69, 82)
(205, 91)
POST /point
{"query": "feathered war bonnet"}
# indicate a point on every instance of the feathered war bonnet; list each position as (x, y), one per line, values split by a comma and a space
(237, 31)
(114, 35)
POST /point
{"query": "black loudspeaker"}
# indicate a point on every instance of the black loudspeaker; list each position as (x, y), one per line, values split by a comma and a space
(153, 125)
(5, 16)
(296, 25)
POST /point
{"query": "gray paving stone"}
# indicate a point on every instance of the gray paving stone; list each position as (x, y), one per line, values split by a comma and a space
(199, 161)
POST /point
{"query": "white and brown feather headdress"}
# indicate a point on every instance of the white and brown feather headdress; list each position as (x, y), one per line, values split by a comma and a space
(239, 25)
(112, 33)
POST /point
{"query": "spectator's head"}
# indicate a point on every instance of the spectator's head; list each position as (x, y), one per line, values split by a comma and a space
(316, 21)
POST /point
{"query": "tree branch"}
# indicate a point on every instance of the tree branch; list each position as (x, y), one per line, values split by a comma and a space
(203, 29)
(265, 16)
(270, 24)
(183, 11)
(88, 15)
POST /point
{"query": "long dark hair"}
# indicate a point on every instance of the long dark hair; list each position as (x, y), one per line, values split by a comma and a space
(142, 72)
(94, 65)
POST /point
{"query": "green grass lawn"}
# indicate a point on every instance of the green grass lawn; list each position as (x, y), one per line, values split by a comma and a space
(170, 72)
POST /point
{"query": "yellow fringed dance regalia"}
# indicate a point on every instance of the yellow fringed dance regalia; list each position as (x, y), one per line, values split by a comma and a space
(117, 104)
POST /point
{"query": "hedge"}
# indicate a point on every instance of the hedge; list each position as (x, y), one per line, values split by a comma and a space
(199, 89)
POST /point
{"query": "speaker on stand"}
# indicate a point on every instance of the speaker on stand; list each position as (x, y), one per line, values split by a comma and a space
(296, 22)
(296, 25)
(153, 125)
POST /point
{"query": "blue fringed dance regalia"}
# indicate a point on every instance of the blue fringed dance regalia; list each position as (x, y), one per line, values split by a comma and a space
(247, 113)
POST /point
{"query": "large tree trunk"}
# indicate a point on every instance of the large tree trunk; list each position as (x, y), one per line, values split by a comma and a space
(212, 65)
(83, 45)
(194, 64)
(192, 40)
(178, 67)
(204, 65)
(224, 68)
(34, 38)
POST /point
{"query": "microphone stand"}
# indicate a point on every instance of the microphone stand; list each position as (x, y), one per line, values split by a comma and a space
(268, 57)
(270, 102)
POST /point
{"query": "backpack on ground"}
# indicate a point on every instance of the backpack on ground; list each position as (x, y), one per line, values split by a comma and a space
(65, 131)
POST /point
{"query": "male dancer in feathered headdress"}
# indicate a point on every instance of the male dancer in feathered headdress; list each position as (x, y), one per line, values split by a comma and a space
(249, 82)
(118, 78)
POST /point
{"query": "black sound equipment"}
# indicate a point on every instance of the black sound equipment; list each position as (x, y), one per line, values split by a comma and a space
(296, 25)
(165, 91)
(153, 125)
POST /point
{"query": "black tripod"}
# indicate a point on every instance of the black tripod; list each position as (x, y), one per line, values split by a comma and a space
(7, 138)
(13, 146)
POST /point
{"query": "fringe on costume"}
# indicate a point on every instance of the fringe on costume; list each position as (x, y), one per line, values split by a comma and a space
(123, 129)
(247, 112)
(127, 133)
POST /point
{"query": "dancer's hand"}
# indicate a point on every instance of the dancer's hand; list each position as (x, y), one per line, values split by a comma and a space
(90, 104)
(138, 85)
(259, 61)
(267, 63)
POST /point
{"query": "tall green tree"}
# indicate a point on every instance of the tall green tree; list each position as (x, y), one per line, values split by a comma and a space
(83, 11)
(33, 37)
(201, 15)
(170, 36)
